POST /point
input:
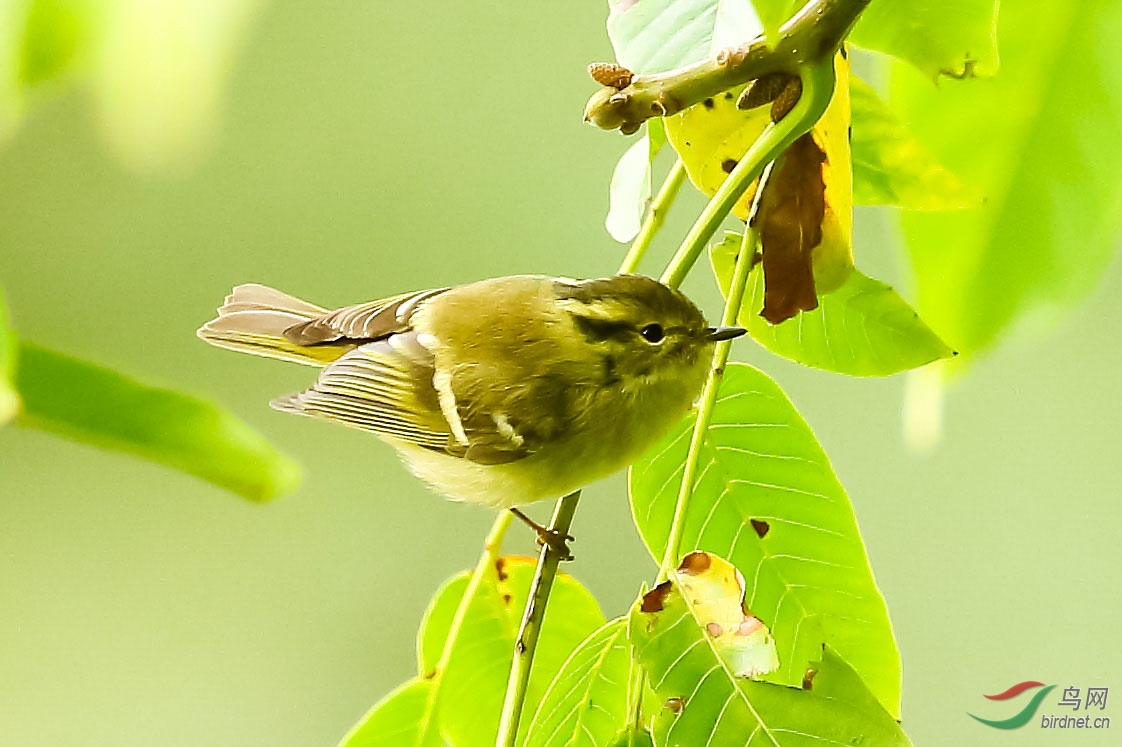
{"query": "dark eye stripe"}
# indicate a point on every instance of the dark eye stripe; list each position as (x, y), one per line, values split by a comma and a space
(599, 330)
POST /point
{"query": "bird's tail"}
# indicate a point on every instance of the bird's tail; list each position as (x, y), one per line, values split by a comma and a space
(253, 320)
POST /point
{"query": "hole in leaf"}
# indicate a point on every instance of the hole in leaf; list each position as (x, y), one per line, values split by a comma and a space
(654, 600)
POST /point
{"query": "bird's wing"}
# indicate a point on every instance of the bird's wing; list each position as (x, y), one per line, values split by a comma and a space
(389, 387)
(373, 320)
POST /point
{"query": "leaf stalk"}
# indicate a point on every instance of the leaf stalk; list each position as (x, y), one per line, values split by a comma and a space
(656, 216)
(744, 261)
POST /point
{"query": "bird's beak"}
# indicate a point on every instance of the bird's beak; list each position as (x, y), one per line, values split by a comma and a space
(716, 334)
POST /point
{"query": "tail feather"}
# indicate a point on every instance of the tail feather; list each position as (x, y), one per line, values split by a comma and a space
(253, 320)
(256, 297)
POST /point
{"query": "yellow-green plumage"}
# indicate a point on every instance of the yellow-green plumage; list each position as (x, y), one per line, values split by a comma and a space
(500, 392)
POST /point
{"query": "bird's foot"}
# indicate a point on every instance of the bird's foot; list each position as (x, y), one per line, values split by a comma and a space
(556, 541)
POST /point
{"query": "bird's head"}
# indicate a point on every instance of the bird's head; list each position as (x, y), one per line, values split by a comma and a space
(641, 331)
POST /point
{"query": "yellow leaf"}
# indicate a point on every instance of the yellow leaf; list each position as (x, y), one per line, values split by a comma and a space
(712, 136)
(714, 590)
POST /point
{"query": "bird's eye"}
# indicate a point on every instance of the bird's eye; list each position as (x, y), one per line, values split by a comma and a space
(652, 333)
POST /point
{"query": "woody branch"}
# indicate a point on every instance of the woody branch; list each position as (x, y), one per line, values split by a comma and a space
(814, 33)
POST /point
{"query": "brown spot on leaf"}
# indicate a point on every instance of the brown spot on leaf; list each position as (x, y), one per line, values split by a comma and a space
(789, 220)
(761, 527)
(676, 704)
(655, 599)
(507, 599)
(749, 626)
(714, 630)
(728, 165)
(708, 103)
(695, 562)
(808, 678)
(429, 674)
(500, 568)
(610, 74)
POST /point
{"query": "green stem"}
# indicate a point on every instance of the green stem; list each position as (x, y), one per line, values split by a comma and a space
(656, 216)
(528, 633)
(818, 87)
(813, 34)
(744, 262)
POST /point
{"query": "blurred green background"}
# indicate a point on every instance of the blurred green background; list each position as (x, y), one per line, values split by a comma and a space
(368, 148)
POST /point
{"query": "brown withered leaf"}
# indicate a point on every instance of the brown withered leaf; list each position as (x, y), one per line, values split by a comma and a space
(763, 90)
(787, 98)
(789, 221)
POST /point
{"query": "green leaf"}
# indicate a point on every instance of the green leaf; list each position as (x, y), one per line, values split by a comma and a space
(705, 703)
(767, 500)
(1040, 141)
(654, 36)
(586, 704)
(95, 405)
(9, 400)
(773, 14)
(404, 718)
(891, 167)
(629, 192)
(55, 35)
(473, 685)
(951, 37)
(863, 328)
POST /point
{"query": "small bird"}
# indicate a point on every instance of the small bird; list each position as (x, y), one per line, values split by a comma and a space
(500, 392)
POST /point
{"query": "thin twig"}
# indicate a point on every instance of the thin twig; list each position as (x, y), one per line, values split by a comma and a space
(656, 216)
(813, 34)
(818, 87)
(527, 641)
(563, 512)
